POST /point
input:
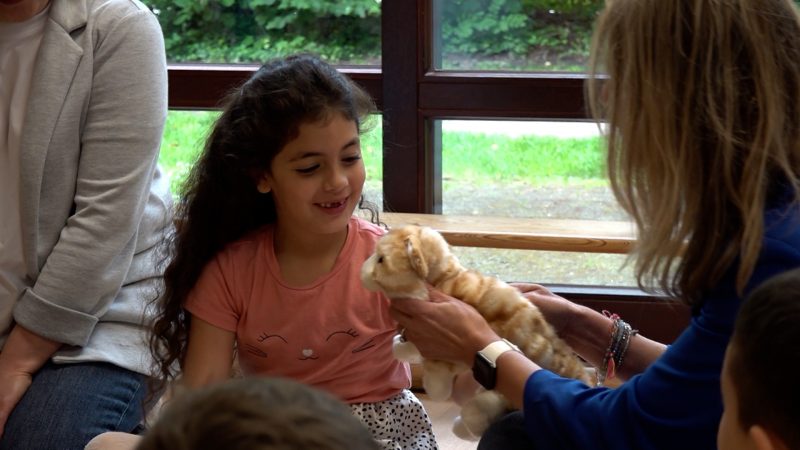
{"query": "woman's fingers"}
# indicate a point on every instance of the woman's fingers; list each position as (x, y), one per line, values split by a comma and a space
(529, 287)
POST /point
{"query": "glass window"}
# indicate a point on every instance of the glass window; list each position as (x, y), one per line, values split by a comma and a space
(186, 131)
(184, 136)
(536, 169)
(372, 153)
(531, 169)
(543, 267)
(344, 32)
(513, 35)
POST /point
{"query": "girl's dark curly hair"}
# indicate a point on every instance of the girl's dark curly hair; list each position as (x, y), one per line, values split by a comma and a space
(219, 202)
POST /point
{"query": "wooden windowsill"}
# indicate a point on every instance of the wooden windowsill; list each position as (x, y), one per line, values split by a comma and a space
(586, 236)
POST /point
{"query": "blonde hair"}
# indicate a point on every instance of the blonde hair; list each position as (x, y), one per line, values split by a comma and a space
(702, 100)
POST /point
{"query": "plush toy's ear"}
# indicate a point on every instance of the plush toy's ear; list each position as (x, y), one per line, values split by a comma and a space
(414, 252)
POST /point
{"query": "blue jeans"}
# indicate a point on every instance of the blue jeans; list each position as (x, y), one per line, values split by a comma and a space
(69, 404)
(508, 433)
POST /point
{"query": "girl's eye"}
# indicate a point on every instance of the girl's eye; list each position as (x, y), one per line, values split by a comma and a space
(352, 159)
(308, 170)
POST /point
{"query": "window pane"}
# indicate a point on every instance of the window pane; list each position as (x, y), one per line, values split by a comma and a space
(372, 153)
(513, 35)
(185, 133)
(184, 136)
(532, 266)
(526, 169)
(344, 32)
(531, 169)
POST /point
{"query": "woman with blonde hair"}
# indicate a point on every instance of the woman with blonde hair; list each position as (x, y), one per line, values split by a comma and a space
(702, 101)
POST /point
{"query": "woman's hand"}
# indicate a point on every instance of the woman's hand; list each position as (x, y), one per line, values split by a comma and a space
(587, 331)
(13, 386)
(23, 355)
(448, 329)
(443, 328)
(558, 311)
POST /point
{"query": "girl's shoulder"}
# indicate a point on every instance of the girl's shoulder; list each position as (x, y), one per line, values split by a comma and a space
(366, 229)
(247, 246)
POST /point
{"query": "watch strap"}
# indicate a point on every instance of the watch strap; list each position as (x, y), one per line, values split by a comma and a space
(493, 351)
(485, 368)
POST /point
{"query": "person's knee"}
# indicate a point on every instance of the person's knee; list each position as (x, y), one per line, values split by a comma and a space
(507, 433)
(113, 440)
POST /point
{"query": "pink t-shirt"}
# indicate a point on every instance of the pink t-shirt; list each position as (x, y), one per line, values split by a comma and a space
(333, 334)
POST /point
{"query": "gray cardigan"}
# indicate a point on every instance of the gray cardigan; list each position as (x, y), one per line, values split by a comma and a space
(94, 205)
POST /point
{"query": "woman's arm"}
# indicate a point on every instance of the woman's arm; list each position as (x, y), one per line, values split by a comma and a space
(209, 355)
(119, 143)
(588, 332)
(448, 329)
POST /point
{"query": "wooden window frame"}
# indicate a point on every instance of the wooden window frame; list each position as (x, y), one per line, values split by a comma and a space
(412, 96)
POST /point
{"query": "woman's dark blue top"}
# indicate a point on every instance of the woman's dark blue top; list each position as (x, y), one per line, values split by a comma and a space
(676, 403)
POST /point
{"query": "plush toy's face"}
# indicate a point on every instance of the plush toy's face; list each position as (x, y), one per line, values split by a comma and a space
(398, 266)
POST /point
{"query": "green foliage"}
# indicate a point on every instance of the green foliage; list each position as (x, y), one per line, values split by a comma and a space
(517, 33)
(484, 26)
(476, 34)
(184, 136)
(499, 33)
(256, 30)
(480, 157)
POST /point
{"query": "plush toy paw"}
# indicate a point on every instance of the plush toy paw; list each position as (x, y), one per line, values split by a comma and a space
(405, 350)
(461, 430)
(480, 412)
(437, 379)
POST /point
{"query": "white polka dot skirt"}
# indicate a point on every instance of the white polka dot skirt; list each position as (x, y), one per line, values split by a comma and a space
(399, 423)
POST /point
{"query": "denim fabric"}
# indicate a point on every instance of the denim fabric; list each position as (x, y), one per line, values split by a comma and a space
(508, 433)
(69, 404)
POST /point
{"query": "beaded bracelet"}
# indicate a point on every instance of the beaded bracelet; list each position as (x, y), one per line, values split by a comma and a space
(621, 335)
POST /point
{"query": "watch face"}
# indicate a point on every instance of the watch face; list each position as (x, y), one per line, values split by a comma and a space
(484, 372)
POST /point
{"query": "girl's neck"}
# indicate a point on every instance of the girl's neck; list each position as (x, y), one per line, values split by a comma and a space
(304, 258)
(303, 245)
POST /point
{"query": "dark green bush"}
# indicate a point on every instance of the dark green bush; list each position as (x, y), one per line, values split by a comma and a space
(517, 33)
(349, 30)
(526, 34)
(255, 30)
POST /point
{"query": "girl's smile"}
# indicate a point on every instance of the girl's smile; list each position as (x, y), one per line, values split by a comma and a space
(334, 208)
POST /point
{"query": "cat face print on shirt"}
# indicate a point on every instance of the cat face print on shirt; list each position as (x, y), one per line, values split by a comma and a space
(336, 343)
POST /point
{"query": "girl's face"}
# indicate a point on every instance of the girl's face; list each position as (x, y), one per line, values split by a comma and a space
(317, 178)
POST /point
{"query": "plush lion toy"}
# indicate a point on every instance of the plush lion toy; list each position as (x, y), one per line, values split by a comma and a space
(406, 259)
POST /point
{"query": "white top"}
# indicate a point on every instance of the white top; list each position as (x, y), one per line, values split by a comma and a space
(19, 44)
